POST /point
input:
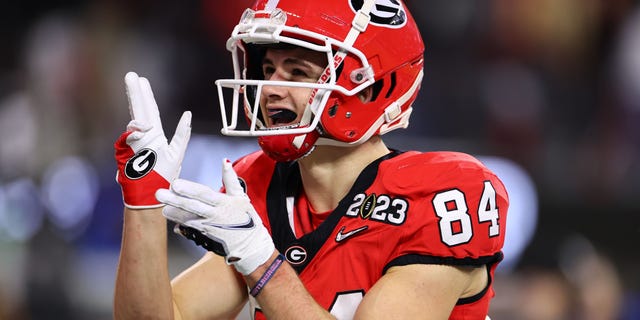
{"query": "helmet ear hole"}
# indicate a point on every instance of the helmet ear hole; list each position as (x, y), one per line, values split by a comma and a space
(366, 95)
(333, 110)
(392, 85)
(376, 87)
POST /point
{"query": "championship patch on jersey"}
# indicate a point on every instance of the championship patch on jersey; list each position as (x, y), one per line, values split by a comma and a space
(382, 208)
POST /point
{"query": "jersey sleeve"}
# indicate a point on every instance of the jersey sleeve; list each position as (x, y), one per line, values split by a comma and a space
(457, 210)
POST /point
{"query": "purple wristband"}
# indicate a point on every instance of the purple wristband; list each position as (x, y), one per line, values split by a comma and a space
(267, 275)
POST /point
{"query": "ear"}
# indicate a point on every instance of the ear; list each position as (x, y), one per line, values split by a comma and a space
(366, 94)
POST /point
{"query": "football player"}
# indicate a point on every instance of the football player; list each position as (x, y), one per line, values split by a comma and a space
(325, 221)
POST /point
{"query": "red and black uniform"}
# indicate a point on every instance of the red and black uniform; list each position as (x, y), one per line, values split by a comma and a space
(404, 208)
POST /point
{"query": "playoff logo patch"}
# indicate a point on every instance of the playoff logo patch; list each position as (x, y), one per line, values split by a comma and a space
(385, 13)
(140, 164)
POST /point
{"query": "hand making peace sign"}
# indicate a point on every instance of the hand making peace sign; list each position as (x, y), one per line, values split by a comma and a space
(146, 161)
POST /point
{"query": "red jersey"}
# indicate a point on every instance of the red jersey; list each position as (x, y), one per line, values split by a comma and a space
(404, 208)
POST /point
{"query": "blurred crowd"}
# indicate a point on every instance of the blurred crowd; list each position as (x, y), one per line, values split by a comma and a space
(550, 86)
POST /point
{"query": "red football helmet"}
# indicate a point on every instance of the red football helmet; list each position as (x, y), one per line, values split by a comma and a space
(367, 42)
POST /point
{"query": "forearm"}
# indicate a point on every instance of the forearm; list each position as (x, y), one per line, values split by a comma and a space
(284, 296)
(142, 287)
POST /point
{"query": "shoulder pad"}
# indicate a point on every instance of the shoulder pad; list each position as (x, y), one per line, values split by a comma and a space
(424, 173)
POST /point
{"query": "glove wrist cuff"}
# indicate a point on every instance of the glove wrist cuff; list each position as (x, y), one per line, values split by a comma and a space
(141, 207)
(143, 195)
(249, 264)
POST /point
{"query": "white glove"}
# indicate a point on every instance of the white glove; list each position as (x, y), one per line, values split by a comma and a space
(228, 219)
(146, 161)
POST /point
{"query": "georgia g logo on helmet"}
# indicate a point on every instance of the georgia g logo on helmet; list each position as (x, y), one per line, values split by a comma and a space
(385, 13)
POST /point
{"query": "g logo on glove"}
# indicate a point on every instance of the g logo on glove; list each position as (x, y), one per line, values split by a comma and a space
(140, 164)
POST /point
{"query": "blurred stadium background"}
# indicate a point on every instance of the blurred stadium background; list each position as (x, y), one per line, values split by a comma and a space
(546, 92)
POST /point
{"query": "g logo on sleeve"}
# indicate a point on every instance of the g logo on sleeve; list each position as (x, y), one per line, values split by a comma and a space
(296, 255)
(140, 164)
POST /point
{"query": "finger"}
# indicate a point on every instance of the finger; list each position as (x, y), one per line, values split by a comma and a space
(178, 215)
(202, 193)
(205, 195)
(190, 205)
(134, 95)
(151, 111)
(135, 125)
(230, 179)
(137, 130)
(183, 133)
(135, 136)
(165, 196)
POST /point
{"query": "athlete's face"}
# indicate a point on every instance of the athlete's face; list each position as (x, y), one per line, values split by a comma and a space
(285, 105)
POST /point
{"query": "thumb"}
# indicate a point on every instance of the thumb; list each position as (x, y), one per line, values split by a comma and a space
(183, 133)
(230, 179)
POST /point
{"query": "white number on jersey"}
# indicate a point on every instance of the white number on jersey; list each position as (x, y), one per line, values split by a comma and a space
(455, 221)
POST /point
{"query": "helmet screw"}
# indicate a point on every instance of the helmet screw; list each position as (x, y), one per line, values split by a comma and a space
(348, 115)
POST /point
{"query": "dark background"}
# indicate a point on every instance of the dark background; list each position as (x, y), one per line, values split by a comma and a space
(551, 85)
